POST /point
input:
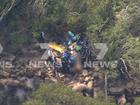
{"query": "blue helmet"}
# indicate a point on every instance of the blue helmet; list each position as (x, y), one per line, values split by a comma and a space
(70, 34)
(72, 60)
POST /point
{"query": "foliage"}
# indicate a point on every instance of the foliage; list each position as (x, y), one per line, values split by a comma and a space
(58, 94)
(115, 22)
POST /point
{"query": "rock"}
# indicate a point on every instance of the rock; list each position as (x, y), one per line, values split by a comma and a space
(4, 74)
(10, 82)
(79, 87)
(85, 73)
(82, 79)
(66, 80)
(29, 82)
(8, 57)
(38, 73)
(53, 80)
(88, 78)
(50, 73)
(13, 76)
(90, 85)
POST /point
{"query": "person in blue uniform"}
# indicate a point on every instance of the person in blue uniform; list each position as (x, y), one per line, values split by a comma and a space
(70, 38)
(42, 37)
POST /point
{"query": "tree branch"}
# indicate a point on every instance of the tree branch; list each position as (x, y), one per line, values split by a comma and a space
(7, 10)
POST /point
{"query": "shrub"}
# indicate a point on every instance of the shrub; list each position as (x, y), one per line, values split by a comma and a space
(58, 94)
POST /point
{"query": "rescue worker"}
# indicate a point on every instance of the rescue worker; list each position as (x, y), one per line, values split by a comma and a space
(74, 42)
(42, 37)
(70, 38)
(72, 60)
(80, 39)
(78, 48)
(68, 61)
(66, 56)
(65, 65)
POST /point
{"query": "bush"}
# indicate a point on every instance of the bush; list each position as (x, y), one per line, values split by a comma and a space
(18, 38)
(58, 94)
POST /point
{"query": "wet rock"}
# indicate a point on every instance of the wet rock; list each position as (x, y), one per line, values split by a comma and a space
(29, 82)
(4, 74)
(90, 85)
(54, 80)
(79, 87)
(9, 82)
(8, 56)
(85, 73)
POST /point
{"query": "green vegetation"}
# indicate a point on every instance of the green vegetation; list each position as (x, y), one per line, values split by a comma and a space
(115, 22)
(58, 94)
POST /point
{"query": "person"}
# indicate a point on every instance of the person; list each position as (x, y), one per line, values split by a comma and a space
(70, 38)
(75, 42)
(80, 39)
(42, 37)
(72, 60)
(65, 65)
(67, 57)
(78, 48)
(68, 62)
